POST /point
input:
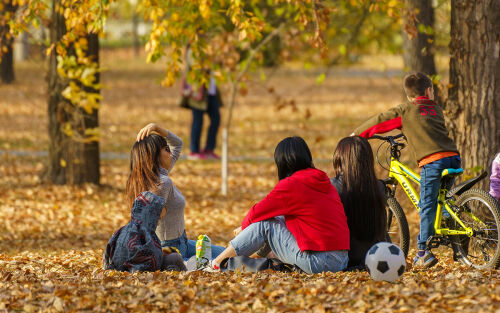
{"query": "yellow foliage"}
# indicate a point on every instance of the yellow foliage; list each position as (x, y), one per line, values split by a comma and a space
(205, 9)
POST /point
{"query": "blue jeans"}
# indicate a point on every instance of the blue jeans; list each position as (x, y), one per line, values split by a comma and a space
(196, 126)
(275, 233)
(187, 247)
(430, 182)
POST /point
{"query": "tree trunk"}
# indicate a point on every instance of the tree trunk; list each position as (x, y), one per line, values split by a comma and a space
(473, 103)
(418, 52)
(225, 138)
(70, 161)
(55, 171)
(90, 169)
(6, 44)
(135, 32)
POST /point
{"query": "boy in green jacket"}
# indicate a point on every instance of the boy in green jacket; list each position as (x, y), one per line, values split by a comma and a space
(422, 122)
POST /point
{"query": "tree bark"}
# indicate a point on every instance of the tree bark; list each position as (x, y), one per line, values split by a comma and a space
(55, 171)
(6, 44)
(70, 161)
(473, 103)
(418, 52)
(135, 32)
(90, 169)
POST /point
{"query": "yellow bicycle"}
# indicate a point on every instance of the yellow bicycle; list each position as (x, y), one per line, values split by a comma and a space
(472, 227)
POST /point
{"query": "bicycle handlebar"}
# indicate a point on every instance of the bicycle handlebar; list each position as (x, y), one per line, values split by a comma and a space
(392, 140)
(387, 138)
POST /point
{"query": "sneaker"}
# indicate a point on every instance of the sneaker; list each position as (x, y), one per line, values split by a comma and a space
(426, 261)
(209, 269)
(196, 156)
(210, 155)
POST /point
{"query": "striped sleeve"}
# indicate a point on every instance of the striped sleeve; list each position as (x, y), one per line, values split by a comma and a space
(175, 144)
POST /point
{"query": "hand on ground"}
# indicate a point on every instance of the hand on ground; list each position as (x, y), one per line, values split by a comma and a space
(236, 231)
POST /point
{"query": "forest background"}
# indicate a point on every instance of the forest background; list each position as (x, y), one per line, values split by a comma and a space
(70, 110)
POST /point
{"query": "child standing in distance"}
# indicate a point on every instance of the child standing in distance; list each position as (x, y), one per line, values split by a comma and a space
(422, 122)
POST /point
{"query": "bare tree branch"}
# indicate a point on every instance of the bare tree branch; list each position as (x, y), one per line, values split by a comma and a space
(254, 51)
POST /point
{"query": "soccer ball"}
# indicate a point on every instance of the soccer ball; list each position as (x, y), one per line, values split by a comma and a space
(385, 261)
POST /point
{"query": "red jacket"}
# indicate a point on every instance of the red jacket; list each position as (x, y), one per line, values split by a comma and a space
(312, 208)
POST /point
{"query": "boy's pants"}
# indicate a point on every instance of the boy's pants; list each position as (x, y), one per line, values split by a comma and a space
(430, 181)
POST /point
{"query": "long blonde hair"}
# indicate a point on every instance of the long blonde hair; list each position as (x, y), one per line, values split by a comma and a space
(144, 166)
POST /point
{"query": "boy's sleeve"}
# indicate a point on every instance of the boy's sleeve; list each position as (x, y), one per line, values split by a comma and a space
(380, 123)
(271, 206)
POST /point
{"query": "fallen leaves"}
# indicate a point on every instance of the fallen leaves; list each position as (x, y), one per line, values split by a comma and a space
(53, 238)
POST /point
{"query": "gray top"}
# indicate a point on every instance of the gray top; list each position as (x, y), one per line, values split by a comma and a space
(171, 226)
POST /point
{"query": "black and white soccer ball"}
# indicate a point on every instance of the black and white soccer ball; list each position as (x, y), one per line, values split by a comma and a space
(385, 261)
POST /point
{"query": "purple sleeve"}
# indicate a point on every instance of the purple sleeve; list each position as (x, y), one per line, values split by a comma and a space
(495, 178)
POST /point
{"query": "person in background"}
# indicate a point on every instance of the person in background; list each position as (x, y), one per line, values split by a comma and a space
(203, 100)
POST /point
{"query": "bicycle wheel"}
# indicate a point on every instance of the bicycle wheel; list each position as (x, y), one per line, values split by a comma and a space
(481, 212)
(397, 226)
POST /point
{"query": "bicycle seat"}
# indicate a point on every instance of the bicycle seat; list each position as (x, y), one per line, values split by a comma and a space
(452, 172)
(466, 185)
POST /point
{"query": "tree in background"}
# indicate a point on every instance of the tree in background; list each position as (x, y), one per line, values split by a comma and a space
(474, 92)
(418, 38)
(74, 94)
(7, 11)
(229, 37)
(73, 84)
(418, 50)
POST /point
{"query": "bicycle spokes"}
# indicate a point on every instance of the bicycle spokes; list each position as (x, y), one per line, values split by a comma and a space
(479, 212)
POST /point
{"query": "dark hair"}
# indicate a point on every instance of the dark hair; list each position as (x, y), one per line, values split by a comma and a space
(416, 83)
(361, 196)
(291, 155)
(144, 166)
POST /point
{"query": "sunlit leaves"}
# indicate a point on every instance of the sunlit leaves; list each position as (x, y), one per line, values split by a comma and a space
(220, 33)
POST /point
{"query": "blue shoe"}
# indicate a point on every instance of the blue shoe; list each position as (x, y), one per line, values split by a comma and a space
(426, 261)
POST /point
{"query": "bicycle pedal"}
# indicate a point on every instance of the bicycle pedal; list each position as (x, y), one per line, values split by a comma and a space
(436, 241)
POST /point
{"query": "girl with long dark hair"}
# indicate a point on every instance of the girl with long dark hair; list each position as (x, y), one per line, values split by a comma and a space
(301, 219)
(362, 196)
(152, 159)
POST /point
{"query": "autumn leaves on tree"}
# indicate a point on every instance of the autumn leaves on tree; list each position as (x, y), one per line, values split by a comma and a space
(234, 37)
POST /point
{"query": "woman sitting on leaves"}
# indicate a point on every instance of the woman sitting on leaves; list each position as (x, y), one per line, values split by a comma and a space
(151, 162)
(301, 219)
(362, 196)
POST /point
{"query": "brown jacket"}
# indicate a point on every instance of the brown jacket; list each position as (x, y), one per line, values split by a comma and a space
(421, 121)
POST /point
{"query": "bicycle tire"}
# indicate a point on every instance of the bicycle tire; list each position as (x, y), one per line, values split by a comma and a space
(472, 251)
(397, 225)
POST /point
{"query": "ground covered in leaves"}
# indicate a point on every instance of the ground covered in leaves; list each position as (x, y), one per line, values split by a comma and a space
(52, 237)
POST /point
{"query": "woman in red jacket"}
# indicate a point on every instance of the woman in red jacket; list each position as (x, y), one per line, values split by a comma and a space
(302, 219)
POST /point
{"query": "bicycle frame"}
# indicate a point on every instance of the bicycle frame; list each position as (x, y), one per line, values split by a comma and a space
(403, 175)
